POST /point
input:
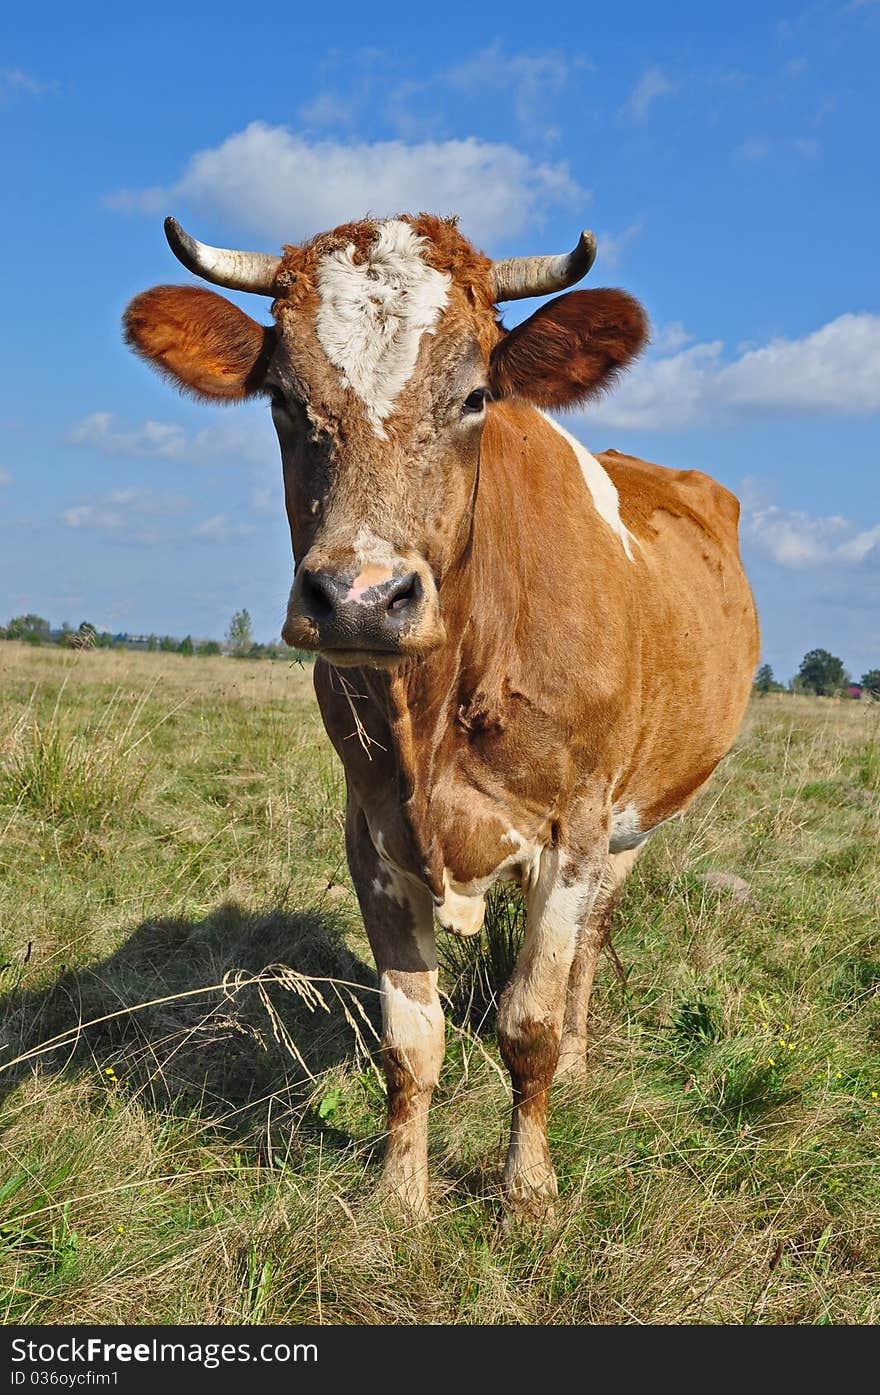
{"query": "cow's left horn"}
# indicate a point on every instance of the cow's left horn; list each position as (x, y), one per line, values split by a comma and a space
(237, 271)
(517, 277)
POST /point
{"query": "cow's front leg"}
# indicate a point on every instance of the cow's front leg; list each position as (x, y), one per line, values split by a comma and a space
(399, 918)
(530, 1019)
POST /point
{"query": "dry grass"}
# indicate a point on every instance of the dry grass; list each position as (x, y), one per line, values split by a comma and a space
(191, 1133)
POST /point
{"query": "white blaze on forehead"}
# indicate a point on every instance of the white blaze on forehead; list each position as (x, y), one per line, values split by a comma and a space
(600, 485)
(373, 314)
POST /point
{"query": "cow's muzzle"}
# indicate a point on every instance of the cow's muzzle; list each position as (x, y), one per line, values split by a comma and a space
(379, 615)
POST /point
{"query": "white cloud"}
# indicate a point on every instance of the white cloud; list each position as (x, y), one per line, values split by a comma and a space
(662, 394)
(247, 437)
(284, 187)
(128, 515)
(651, 85)
(6, 477)
(758, 149)
(834, 370)
(799, 540)
(327, 109)
(15, 82)
(221, 529)
(531, 78)
(670, 337)
(153, 438)
(612, 246)
(414, 107)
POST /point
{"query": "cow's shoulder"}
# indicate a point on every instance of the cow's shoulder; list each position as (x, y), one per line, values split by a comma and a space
(649, 493)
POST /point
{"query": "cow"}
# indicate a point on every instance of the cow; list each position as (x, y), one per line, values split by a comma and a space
(529, 657)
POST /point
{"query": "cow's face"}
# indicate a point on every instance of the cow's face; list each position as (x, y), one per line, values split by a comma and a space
(381, 368)
(379, 386)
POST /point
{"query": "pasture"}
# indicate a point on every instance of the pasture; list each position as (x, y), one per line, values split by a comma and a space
(191, 1114)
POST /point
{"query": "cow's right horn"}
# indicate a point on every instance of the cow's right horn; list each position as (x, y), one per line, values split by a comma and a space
(517, 277)
(237, 271)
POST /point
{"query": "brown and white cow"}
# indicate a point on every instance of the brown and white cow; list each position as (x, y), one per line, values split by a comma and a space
(530, 656)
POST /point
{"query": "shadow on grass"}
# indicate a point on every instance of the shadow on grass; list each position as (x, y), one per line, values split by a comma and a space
(199, 1048)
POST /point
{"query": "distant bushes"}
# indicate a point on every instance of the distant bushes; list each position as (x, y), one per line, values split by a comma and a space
(240, 643)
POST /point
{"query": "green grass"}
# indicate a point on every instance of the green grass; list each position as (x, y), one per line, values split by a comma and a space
(191, 1114)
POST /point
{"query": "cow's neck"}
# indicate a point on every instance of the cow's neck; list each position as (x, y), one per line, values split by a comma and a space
(445, 735)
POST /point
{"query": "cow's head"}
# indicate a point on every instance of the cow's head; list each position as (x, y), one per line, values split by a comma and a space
(382, 363)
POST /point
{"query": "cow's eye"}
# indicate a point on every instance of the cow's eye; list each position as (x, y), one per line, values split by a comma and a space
(475, 401)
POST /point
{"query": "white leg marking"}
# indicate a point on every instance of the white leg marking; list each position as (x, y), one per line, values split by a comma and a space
(414, 1029)
(555, 913)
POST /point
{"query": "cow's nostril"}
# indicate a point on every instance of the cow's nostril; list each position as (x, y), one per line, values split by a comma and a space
(404, 592)
(320, 594)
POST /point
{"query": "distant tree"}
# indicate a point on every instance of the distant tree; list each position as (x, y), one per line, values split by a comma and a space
(821, 673)
(104, 640)
(66, 633)
(765, 682)
(152, 643)
(871, 682)
(186, 646)
(33, 629)
(168, 644)
(240, 636)
(207, 648)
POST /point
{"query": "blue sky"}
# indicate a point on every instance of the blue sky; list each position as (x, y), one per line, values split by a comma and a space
(725, 157)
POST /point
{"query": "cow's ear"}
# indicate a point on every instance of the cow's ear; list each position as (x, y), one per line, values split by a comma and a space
(571, 348)
(205, 343)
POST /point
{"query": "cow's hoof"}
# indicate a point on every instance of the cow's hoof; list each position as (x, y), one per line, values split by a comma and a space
(526, 1213)
(405, 1196)
(529, 1197)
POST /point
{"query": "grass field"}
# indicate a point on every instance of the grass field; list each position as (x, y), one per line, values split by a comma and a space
(172, 873)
